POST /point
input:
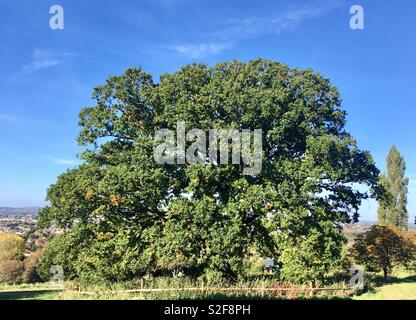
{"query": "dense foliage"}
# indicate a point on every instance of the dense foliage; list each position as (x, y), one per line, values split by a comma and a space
(125, 216)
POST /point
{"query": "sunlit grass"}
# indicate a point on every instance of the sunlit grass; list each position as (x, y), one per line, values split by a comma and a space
(401, 286)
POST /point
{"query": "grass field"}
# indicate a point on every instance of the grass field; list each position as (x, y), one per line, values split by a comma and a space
(29, 292)
(400, 287)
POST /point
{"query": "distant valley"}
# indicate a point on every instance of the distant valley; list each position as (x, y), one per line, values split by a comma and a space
(9, 211)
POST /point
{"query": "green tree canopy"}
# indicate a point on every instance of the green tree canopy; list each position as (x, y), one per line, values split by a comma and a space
(393, 212)
(199, 218)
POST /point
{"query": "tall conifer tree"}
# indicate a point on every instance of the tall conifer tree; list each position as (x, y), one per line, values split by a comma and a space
(394, 212)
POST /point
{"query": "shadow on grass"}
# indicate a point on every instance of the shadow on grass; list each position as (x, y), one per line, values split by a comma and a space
(27, 295)
(269, 297)
(379, 280)
(403, 280)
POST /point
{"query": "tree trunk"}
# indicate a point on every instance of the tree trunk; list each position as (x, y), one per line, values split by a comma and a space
(386, 273)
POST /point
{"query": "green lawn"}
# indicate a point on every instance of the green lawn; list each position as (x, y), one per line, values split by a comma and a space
(400, 288)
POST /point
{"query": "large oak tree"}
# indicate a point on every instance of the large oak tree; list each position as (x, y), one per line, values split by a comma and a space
(126, 215)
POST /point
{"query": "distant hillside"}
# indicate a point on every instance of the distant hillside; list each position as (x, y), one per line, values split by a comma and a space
(8, 211)
(364, 225)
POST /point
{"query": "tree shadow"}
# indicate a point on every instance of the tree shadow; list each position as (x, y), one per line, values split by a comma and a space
(394, 280)
(379, 281)
(25, 295)
(222, 296)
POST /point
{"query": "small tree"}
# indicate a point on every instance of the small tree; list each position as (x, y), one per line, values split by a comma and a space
(11, 254)
(382, 248)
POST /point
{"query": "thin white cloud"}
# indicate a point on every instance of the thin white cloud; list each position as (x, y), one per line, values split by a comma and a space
(233, 30)
(200, 50)
(170, 3)
(274, 24)
(41, 59)
(68, 162)
(8, 118)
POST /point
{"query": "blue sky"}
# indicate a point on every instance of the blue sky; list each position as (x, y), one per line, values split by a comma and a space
(47, 76)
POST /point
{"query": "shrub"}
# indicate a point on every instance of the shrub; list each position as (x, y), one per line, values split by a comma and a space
(11, 271)
(30, 273)
(11, 253)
